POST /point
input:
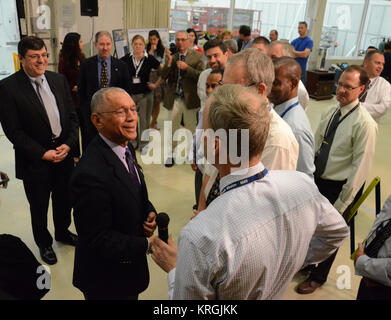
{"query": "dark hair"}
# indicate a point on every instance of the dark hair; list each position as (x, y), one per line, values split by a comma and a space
(245, 30)
(160, 48)
(30, 43)
(363, 74)
(70, 51)
(372, 47)
(262, 40)
(369, 54)
(276, 32)
(215, 43)
(305, 23)
(387, 45)
(217, 71)
(190, 30)
(293, 67)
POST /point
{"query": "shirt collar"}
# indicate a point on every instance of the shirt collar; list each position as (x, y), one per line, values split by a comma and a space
(108, 60)
(285, 105)
(347, 108)
(241, 174)
(32, 79)
(117, 149)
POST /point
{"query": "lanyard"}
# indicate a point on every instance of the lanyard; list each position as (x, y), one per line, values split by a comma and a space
(290, 108)
(245, 181)
(327, 128)
(137, 67)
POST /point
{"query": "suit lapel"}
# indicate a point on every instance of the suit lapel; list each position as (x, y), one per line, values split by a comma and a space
(27, 87)
(94, 72)
(114, 72)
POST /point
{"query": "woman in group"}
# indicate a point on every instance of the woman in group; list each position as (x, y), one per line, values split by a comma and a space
(140, 65)
(155, 48)
(193, 39)
(71, 56)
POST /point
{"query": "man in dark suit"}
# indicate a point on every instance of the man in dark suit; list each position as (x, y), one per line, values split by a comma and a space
(112, 212)
(99, 71)
(38, 117)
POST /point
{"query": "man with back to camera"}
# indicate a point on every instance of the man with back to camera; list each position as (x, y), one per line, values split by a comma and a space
(273, 35)
(303, 46)
(345, 146)
(286, 103)
(112, 212)
(278, 49)
(261, 43)
(99, 71)
(38, 117)
(182, 71)
(244, 41)
(235, 249)
(376, 97)
(252, 68)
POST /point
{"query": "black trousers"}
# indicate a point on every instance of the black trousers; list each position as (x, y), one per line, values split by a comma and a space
(378, 292)
(331, 190)
(45, 181)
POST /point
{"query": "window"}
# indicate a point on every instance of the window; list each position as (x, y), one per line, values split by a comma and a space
(9, 37)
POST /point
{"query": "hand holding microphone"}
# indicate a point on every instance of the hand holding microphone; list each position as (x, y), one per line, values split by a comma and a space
(164, 249)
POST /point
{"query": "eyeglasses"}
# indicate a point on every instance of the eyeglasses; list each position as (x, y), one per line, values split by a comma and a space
(178, 40)
(346, 87)
(37, 56)
(121, 112)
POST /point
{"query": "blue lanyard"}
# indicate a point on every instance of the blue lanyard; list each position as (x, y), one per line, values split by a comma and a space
(290, 107)
(245, 181)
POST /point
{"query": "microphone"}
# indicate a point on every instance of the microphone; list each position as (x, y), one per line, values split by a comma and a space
(162, 220)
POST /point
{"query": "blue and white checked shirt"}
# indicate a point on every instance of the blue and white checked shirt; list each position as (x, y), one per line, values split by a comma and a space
(251, 241)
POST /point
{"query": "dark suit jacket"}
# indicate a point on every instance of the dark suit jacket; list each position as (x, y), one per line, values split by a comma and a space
(26, 123)
(109, 214)
(190, 77)
(88, 84)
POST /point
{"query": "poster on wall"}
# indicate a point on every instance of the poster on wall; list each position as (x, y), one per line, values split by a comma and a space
(121, 43)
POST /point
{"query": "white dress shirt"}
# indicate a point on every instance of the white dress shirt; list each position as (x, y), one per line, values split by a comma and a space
(251, 240)
(281, 150)
(351, 154)
(303, 95)
(378, 269)
(301, 128)
(378, 98)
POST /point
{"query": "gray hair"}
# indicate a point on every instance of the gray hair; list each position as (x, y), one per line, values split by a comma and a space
(183, 31)
(103, 33)
(286, 48)
(231, 108)
(259, 67)
(99, 101)
(232, 45)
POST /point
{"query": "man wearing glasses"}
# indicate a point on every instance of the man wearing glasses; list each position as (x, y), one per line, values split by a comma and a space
(38, 117)
(112, 213)
(182, 72)
(344, 150)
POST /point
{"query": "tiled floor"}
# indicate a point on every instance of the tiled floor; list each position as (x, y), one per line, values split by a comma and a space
(172, 191)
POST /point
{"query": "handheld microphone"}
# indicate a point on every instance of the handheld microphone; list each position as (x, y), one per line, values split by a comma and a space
(162, 220)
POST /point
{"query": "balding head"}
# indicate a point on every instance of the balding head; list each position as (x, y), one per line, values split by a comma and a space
(278, 49)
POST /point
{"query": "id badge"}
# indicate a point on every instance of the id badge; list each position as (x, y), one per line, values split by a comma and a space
(136, 80)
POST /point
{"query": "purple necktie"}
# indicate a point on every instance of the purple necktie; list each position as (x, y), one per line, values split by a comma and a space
(130, 162)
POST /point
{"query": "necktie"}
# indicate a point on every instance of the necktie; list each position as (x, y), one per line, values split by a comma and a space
(381, 236)
(364, 94)
(179, 90)
(104, 79)
(322, 155)
(45, 100)
(130, 162)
